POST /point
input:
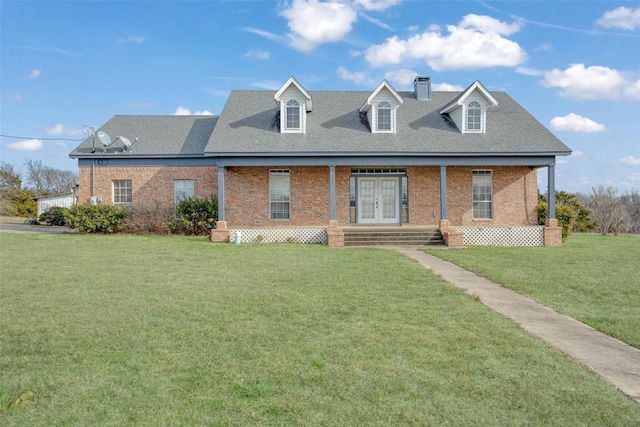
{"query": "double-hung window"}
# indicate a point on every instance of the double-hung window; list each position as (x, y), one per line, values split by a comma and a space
(384, 116)
(482, 195)
(279, 194)
(183, 189)
(122, 191)
(292, 115)
(474, 117)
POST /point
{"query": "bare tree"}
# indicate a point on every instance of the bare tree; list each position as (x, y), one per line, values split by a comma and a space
(609, 211)
(631, 202)
(44, 180)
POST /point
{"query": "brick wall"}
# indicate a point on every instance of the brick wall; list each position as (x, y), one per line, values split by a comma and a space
(150, 184)
(247, 193)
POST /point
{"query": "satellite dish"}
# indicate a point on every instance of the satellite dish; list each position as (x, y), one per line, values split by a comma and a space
(104, 138)
(125, 142)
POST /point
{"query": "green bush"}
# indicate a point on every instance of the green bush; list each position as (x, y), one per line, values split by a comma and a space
(95, 218)
(53, 216)
(199, 215)
(564, 215)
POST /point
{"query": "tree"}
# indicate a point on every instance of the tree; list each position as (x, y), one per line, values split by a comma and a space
(10, 185)
(571, 214)
(44, 180)
(608, 211)
(631, 202)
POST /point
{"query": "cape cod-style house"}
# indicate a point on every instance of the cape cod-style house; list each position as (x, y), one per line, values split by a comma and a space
(319, 166)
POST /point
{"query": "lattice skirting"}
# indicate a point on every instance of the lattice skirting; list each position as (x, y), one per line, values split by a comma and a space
(281, 235)
(503, 236)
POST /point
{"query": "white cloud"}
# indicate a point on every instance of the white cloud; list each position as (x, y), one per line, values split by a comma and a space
(446, 87)
(594, 82)
(34, 74)
(26, 145)
(257, 54)
(262, 33)
(525, 71)
(355, 53)
(376, 4)
(184, 111)
(312, 23)
(131, 39)
(359, 78)
(630, 161)
(401, 79)
(267, 84)
(15, 96)
(476, 42)
(376, 21)
(544, 47)
(575, 123)
(60, 129)
(622, 17)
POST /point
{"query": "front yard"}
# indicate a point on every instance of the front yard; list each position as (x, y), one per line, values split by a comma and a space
(592, 278)
(128, 330)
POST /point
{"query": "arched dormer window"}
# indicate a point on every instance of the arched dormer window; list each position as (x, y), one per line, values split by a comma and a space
(474, 117)
(384, 117)
(292, 120)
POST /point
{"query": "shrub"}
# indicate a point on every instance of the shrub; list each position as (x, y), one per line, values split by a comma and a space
(564, 215)
(199, 215)
(151, 218)
(95, 218)
(53, 216)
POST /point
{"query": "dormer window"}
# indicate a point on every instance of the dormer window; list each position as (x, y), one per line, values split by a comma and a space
(294, 104)
(469, 109)
(293, 115)
(474, 117)
(384, 117)
(380, 108)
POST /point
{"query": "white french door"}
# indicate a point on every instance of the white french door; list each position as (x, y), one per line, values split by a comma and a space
(378, 200)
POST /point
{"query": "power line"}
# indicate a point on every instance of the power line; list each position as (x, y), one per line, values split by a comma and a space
(44, 139)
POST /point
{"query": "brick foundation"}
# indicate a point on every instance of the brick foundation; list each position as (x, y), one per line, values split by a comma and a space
(450, 235)
(220, 234)
(552, 233)
(335, 235)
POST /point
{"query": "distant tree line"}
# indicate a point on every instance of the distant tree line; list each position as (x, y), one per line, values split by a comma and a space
(602, 210)
(18, 189)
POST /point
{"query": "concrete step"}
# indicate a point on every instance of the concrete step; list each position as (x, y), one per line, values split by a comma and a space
(368, 236)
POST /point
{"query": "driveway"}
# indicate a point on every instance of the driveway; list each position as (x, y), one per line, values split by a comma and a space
(26, 228)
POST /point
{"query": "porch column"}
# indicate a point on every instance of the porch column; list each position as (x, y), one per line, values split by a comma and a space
(551, 188)
(220, 193)
(332, 192)
(443, 192)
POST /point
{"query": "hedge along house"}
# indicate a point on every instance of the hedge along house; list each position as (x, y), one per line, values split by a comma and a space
(309, 166)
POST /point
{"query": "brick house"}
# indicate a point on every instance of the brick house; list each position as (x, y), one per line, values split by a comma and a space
(314, 165)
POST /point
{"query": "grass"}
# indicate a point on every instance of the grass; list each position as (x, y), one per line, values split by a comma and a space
(127, 330)
(592, 278)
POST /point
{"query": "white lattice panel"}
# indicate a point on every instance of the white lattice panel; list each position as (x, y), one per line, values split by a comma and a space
(281, 235)
(503, 236)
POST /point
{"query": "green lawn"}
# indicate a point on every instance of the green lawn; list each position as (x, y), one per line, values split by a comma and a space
(128, 330)
(592, 278)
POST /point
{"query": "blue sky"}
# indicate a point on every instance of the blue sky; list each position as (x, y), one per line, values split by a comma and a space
(574, 65)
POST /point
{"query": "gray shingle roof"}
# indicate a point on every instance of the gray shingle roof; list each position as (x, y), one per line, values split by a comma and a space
(158, 136)
(248, 125)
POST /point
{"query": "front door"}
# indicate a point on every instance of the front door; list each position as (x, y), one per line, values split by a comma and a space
(378, 200)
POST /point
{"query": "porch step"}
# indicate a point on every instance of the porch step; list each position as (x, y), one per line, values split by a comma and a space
(368, 236)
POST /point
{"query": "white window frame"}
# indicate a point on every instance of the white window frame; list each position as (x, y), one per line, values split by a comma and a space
(183, 189)
(292, 106)
(482, 200)
(384, 107)
(475, 108)
(122, 189)
(279, 194)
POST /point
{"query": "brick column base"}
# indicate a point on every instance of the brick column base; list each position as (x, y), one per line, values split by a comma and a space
(552, 233)
(220, 234)
(450, 235)
(335, 235)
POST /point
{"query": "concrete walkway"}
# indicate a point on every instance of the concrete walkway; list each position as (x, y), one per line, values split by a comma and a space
(611, 359)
